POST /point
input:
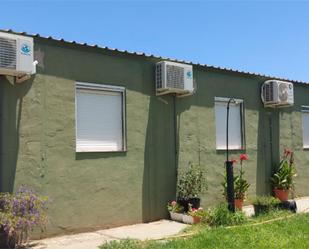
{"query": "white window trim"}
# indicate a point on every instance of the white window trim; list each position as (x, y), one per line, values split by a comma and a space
(102, 87)
(240, 102)
(304, 109)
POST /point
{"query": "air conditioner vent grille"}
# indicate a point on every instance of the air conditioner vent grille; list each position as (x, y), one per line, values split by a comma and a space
(269, 92)
(159, 80)
(175, 76)
(7, 53)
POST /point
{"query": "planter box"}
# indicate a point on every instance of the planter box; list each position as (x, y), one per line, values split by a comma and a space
(187, 219)
(176, 216)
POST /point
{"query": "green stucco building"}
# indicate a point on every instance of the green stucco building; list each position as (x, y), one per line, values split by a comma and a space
(48, 134)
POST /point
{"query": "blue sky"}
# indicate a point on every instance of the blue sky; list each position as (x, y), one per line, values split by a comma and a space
(269, 37)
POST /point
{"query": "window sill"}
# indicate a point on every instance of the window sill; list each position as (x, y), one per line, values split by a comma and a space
(98, 150)
(223, 149)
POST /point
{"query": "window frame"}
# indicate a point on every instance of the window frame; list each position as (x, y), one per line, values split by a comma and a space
(105, 88)
(240, 102)
(304, 110)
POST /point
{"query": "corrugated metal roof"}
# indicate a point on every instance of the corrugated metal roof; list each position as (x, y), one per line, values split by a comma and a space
(151, 56)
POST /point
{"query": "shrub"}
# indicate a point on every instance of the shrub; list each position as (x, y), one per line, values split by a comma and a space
(265, 204)
(21, 212)
(221, 216)
(266, 200)
(191, 183)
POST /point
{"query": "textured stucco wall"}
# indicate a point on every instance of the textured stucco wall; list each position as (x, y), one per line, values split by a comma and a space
(92, 190)
(291, 137)
(267, 132)
(88, 190)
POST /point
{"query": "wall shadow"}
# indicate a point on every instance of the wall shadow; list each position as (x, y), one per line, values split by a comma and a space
(97, 155)
(11, 104)
(268, 155)
(161, 156)
(159, 159)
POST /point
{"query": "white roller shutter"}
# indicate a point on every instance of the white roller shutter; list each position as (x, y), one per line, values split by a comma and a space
(305, 119)
(99, 120)
(235, 125)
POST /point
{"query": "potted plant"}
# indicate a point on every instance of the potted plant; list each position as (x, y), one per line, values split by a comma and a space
(264, 204)
(190, 185)
(19, 214)
(282, 179)
(196, 214)
(241, 185)
(175, 211)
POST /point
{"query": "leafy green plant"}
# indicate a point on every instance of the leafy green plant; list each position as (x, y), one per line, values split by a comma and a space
(283, 177)
(196, 212)
(174, 207)
(265, 200)
(265, 204)
(21, 212)
(221, 216)
(241, 185)
(191, 183)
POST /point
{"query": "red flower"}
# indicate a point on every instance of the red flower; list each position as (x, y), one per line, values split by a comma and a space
(287, 152)
(243, 157)
(173, 203)
(234, 161)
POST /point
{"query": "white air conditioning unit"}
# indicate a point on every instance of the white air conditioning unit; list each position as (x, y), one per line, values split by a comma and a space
(175, 78)
(276, 93)
(16, 55)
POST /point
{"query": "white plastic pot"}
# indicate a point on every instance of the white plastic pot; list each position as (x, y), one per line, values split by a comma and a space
(176, 216)
(187, 219)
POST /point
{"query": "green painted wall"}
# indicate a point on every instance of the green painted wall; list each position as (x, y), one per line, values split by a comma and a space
(268, 132)
(95, 190)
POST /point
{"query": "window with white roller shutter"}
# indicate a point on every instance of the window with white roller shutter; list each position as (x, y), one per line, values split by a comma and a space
(236, 124)
(305, 123)
(100, 114)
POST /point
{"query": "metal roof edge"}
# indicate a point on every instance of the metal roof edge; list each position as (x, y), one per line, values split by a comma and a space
(151, 56)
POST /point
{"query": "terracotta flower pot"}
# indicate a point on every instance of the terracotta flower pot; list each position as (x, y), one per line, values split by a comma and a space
(239, 203)
(196, 219)
(282, 194)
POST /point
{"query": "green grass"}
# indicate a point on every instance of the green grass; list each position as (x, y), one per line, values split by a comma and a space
(290, 232)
